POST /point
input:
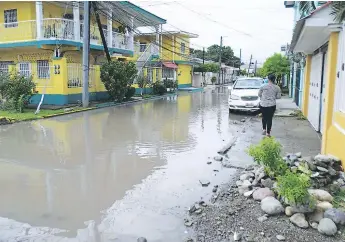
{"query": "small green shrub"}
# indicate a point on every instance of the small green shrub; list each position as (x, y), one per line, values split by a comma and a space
(16, 91)
(294, 188)
(142, 82)
(169, 83)
(158, 88)
(130, 93)
(213, 79)
(117, 76)
(267, 153)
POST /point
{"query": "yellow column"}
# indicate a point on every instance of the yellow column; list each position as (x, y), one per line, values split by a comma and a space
(331, 77)
(60, 76)
(306, 85)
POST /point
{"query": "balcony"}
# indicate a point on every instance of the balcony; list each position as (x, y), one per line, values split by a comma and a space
(56, 29)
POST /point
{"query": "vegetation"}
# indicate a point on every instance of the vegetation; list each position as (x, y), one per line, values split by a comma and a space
(338, 9)
(212, 54)
(158, 88)
(268, 154)
(210, 67)
(130, 93)
(339, 199)
(117, 76)
(169, 83)
(143, 82)
(294, 188)
(278, 65)
(16, 91)
(213, 79)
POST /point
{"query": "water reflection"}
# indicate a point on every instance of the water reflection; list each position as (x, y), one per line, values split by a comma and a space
(61, 172)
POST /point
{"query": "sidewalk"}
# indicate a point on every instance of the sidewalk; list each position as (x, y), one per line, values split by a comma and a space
(285, 107)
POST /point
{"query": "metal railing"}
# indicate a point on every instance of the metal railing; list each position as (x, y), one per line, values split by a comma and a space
(57, 28)
(75, 75)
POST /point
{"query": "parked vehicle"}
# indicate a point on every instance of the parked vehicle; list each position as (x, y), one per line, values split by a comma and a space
(244, 94)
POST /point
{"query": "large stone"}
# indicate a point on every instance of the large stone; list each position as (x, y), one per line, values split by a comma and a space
(280, 237)
(262, 193)
(302, 208)
(331, 171)
(323, 158)
(299, 155)
(271, 206)
(323, 206)
(316, 216)
(336, 215)
(298, 219)
(322, 169)
(248, 194)
(327, 227)
(141, 239)
(321, 195)
(289, 211)
(246, 176)
(239, 183)
(246, 183)
(218, 158)
(267, 183)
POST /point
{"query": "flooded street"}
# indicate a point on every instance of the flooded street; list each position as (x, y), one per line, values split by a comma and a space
(113, 174)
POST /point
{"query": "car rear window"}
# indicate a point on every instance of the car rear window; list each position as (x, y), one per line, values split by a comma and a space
(248, 84)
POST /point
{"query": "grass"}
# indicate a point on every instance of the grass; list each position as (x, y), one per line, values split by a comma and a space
(339, 200)
(29, 114)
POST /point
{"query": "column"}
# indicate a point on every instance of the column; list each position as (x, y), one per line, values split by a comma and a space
(39, 19)
(331, 77)
(131, 35)
(76, 21)
(306, 85)
(110, 28)
(157, 40)
(174, 49)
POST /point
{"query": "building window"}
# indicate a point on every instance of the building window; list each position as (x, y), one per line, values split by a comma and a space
(43, 70)
(24, 69)
(4, 66)
(150, 74)
(143, 47)
(10, 17)
(183, 48)
(168, 73)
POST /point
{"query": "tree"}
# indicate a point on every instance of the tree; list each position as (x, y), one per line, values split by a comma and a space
(117, 76)
(338, 11)
(276, 64)
(209, 67)
(143, 81)
(228, 56)
(196, 53)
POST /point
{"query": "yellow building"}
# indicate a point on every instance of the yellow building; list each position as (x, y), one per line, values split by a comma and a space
(323, 41)
(44, 40)
(174, 56)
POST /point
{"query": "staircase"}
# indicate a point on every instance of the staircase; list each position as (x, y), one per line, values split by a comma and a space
(145, 57)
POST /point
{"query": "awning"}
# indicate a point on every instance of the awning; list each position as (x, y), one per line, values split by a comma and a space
(312, 31)
(170, 65)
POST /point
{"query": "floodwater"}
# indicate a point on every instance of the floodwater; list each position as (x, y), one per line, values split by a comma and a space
(113, 174)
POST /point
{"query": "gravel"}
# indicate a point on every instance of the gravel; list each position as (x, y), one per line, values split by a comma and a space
(233, 213)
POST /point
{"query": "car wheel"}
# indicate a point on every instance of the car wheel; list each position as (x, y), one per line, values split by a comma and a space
(231, 110)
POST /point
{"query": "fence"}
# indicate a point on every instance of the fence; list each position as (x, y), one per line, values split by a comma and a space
(40, 71)
(75, 75)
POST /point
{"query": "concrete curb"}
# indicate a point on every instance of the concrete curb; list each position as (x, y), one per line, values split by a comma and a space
(98, 106)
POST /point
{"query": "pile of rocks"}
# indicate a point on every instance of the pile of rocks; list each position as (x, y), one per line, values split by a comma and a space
(325, 171)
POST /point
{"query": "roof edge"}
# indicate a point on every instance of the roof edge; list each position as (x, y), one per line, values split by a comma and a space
(139, 9)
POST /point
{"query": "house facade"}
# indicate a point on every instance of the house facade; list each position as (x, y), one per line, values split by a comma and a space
(174, 62)
(44, 40)
(322, 41)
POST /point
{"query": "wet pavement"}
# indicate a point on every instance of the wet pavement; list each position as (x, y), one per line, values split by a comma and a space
(114, 174)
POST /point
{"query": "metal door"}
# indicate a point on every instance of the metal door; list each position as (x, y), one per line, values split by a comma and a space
(297, 85)
(315, 91)
(323, 91)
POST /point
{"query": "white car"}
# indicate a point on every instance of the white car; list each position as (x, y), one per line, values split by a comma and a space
(244, 94)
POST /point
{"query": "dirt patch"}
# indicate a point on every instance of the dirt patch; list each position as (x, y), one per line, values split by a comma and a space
(232, 213)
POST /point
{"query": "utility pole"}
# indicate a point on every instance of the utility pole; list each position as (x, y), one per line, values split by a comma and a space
(86, 52)
(94, 5)
(239, 68)
(256, 63)
(250, 63)
(203, 63)
(220, 57)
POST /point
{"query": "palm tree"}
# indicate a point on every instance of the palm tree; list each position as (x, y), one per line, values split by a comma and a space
(306, 7)
(338, 11)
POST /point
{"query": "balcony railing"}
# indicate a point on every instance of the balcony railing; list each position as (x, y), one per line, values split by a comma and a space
(59, 29)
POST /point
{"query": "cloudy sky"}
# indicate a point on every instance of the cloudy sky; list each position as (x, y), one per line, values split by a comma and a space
(256, 27)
